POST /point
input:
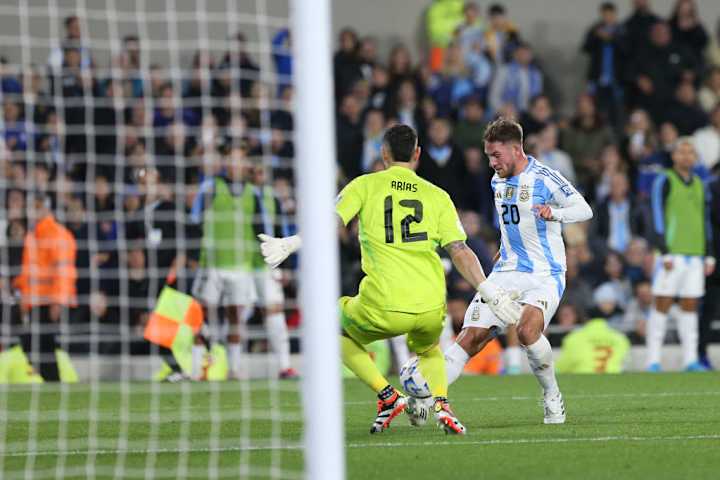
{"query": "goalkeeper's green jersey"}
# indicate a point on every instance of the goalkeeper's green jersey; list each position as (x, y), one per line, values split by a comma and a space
(403, 220)
(593, 348)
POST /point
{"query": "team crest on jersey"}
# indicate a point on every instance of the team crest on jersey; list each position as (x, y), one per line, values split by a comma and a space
(524, 194)
(509, 192)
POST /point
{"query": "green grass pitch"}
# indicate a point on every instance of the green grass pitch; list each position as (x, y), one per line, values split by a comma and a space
(661, 426)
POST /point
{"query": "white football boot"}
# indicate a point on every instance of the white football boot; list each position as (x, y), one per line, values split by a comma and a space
(554, 409)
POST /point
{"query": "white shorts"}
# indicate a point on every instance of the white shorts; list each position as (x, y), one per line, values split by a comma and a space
(268, 287)
(685, 280)
(541, 291)
(221, 287)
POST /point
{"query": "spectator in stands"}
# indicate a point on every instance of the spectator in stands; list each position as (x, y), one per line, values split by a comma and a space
(687, 29)
(470, 127)
(405, 106)
(637, 27)
(400, 67)
(346, 68)
(475, 192)
(441, 161)
(470, 34)
(640, 137)
(14, 127)
(707, 140)
(549, 154)
(501, 36)
(605, 45)
(637, 256)
(516, 82)
(608, 304)
(712, 54)
(578, 291)
(538, 115)
(196, 90)
(638, 310)
(709, 94)
(73, 36)
(584, 138)
(685, 112)
(372, 143)
(367, 56)
(610, 164)
(379, 82)
(658, 70)
(619, 217)
(282, 56)
(349, 131)
(46, 283)
(238, 60)
(453, 84)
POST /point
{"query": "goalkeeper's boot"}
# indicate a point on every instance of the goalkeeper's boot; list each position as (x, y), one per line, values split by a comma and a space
(554, 408)
(418, 410)
(177, 377)
(446, 418)
(391, 403)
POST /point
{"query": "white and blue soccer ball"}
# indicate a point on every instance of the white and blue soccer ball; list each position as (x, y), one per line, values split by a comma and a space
(412, 380)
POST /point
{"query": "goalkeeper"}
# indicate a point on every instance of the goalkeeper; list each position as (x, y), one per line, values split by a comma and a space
(403, 219)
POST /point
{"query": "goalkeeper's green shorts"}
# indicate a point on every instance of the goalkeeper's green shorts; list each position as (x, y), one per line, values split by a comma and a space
(366, 324)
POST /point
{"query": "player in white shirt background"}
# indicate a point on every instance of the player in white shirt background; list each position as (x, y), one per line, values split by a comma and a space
(532, 202)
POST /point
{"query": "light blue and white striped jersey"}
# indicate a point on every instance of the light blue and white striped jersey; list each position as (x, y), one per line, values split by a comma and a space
(529, 243)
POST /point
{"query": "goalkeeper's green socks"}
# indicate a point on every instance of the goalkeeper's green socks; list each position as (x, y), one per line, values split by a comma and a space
(432, 367)
(357, 359)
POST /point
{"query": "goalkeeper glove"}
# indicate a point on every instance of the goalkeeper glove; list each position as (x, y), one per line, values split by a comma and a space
(501, 302)
(276, 250)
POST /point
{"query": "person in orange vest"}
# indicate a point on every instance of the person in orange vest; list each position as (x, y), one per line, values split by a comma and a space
(46, 283)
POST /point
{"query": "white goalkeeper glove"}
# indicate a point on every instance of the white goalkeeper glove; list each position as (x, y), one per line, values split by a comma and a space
(501, 302)
(276, 250)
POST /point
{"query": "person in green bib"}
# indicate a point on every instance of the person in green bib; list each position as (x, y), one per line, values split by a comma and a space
(233, 207)
(683, 240)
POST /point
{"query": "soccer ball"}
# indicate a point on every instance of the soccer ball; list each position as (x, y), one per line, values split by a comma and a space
(412, 380)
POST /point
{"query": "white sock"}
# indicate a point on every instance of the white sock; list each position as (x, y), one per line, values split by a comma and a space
(540, 357)
(687, 324)
(279, 339)
(400, 350)
(455, 360)
(513, 357)
(198, 353)
(655, 335)
(235, 351)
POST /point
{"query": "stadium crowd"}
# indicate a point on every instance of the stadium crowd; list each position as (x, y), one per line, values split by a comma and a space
(119, 152)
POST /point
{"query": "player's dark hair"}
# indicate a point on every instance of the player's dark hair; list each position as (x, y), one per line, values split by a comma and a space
(401, 141)
(504, 130)
(496, 9)
(607, 6)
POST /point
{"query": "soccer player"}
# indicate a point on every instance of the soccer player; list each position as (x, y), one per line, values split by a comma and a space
(532, 202)
(403, 219)
(684, 240)
(234, 207)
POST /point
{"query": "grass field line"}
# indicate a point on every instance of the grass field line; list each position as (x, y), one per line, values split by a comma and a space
(572, 396)
(297, 446)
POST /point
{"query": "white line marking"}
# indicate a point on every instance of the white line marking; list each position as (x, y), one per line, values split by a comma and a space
(510, 441)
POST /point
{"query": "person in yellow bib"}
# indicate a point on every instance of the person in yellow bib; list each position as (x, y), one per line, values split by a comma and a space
(593, 348)
(403, 220)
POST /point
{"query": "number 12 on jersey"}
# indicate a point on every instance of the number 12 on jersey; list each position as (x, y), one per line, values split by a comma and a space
(415, 217)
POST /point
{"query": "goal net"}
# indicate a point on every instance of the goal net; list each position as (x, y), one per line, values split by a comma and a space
(145, 145)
